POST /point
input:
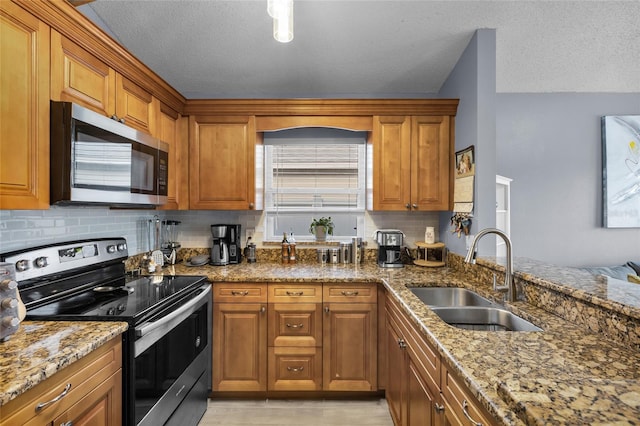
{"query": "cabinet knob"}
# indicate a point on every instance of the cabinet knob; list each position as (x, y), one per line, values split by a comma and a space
(251, 206)
(408, 206)
(402, 344)
(121, 120)
(263, 309)
(439, 408)
(326, 309)
(414, 206)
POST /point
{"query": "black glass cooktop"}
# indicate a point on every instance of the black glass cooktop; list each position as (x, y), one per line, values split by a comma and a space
(127, 298)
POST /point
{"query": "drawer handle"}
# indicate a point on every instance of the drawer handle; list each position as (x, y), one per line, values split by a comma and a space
(295, 325)
(295, 369)
(295, 293)
(64, 393)
(402, 344)
(465, 405)
(240, 293)
(350, 293)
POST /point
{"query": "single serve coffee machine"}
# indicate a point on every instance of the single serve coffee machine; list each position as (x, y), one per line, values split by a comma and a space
(220, 245)
(389, 248)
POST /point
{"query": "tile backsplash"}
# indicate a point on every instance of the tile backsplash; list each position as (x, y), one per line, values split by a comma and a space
(21, 229)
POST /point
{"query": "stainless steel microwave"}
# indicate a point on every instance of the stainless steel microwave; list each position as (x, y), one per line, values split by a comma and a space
(98, 160)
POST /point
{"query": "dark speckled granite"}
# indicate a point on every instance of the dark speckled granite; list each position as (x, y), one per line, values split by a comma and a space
(566, 374)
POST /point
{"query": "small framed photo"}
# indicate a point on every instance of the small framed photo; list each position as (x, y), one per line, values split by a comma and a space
(465, 162)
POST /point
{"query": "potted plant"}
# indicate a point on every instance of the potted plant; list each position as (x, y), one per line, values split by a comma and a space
(321, 227)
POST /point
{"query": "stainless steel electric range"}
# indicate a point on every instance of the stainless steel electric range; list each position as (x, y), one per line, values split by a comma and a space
(167, 349)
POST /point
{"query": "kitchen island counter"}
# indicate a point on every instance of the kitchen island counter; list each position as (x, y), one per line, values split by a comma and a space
(562, 375)
(39, 349)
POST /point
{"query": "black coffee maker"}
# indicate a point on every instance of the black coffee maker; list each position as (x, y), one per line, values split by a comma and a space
(389, 248)
(233, 242)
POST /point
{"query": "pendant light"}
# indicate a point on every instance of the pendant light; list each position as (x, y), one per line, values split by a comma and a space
(282, 13)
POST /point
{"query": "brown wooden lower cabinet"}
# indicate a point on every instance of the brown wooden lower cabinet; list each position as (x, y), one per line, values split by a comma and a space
(420, 390)
(93, 393)
(295, 337)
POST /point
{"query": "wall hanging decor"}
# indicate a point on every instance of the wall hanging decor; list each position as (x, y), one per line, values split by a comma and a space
(621, 171)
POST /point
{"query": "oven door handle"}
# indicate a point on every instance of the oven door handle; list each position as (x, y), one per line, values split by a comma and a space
(167, 323)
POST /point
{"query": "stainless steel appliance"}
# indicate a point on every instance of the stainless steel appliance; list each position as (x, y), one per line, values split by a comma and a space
(167, 348)
(389, 248)
(219, 245)
(97, 160)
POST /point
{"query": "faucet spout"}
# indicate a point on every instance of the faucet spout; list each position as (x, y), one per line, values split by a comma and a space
(509, 284)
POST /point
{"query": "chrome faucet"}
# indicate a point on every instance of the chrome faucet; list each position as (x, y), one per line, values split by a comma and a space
(509, 285)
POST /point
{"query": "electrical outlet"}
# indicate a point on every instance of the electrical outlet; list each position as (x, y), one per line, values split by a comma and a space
(250, 233)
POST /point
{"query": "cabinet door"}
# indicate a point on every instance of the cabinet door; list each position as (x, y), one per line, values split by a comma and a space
(349, 347)
(169, 130)
(135, 106)
(391, 162)
(430, 163)
(396, 373)
(221, 162)
(100, 407)
(78, 76)
(24, 109)
(239, 347)
(420, 400)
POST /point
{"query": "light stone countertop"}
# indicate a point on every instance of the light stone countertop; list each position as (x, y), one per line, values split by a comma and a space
(562, 375)
(41, 348)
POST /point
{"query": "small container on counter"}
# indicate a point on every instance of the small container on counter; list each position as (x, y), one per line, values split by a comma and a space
(334, 256)
(345, 252)
(323, 255)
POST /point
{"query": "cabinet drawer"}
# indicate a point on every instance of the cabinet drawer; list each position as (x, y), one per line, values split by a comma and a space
(295, 324)
(456, 397)
(239, 293)
(350, 293)
(293, 293)
(80, 378)
(295, 368)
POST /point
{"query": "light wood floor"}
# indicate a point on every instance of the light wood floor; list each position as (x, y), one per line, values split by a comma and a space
(277, 412)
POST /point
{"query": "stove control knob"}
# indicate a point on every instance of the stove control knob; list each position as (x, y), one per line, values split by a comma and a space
(122, 247)
(111, 249)
(122, 307)
(9, 303)
(10, 322)
(111, 311)
(8, 285)
(22, 265)
(41, 262)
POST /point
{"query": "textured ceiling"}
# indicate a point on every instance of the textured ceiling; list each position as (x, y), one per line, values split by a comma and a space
(224, 49)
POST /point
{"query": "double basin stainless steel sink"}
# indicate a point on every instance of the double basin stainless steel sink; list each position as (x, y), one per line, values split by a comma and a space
(466, 309)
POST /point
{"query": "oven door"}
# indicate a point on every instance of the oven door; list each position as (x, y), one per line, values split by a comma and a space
(173, 361)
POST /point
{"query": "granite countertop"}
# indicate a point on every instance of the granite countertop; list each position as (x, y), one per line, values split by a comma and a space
(562, 375)
(41, 348)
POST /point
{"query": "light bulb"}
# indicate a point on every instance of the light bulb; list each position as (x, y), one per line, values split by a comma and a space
(278, 8)
(283, 27)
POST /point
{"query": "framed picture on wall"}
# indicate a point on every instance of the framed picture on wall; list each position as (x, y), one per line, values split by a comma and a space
(465, 162)
(621, 171)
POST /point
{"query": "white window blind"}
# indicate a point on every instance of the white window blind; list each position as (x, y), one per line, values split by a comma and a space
(317, 172)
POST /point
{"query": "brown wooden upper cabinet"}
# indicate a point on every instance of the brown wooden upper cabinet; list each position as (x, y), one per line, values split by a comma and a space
(78, 76)
(222, 162)
(24, 113)
(411, 162)
(172, 129)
